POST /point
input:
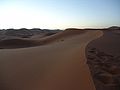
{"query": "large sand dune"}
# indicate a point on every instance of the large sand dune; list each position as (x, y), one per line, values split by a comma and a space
(59, 64)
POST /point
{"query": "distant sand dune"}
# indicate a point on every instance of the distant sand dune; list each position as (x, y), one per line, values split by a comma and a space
(23, 42)
(59, 64)
(16, 43)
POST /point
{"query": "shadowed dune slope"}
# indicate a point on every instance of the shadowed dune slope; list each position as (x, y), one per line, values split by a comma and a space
(60, 65)
(22, 43)
(109, 42)
(103, 56)
(16, 43)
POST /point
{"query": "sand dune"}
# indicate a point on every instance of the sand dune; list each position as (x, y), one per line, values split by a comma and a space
(16, 43)
(104, 60)
(37, 40)
(67, 34)
(110, 42)
(59, 64)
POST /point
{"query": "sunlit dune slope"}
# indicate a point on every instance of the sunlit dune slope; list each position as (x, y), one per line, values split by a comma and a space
(57, 65)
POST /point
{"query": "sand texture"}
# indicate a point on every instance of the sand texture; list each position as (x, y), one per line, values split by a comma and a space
(59, 63)
(103, 55)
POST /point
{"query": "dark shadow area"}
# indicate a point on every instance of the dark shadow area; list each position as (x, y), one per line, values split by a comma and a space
(103, 59)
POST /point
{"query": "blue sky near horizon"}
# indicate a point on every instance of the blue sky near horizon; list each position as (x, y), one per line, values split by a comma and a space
(59, 13)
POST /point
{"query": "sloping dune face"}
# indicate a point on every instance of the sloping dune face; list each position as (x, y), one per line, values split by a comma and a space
(109, 42)
(16, 43)
(103, 56)
(68, 33)
(22, 38)
(22, 42)
(57, 65)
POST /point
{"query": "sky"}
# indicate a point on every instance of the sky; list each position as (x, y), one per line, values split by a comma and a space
(59, 14)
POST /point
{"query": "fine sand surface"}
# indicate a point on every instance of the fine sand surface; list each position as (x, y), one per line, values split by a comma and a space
(103, 56)
(59, 64)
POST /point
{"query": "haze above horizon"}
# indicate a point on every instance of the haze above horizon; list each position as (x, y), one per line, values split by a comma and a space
(59, 14)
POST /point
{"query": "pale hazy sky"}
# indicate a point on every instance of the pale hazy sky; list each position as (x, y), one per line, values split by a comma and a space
(59, 13)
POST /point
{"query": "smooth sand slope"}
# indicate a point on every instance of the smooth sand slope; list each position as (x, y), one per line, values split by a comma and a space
(57, 65)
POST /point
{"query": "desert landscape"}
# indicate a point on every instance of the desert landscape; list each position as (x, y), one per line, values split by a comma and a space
(71, 59)
(59, 44)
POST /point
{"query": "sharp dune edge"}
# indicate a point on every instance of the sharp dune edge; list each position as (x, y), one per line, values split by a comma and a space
(57, 65)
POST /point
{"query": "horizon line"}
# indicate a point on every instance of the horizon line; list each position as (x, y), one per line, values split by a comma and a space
(63, 28)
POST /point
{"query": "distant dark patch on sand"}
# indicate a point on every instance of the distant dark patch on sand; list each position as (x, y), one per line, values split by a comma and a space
(17, 43)
(103, 59)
